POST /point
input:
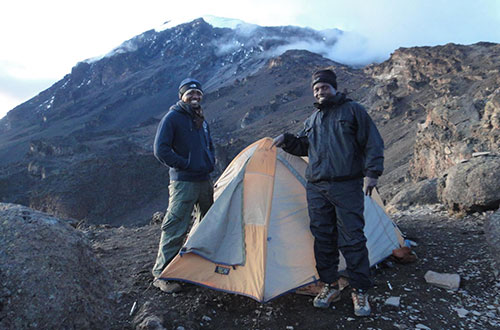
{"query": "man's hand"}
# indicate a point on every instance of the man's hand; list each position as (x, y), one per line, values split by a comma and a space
(370, 184)
(278, 141)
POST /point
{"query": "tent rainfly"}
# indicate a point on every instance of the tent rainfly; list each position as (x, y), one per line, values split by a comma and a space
(255, 239)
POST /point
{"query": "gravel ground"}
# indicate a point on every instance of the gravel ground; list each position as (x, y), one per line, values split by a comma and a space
(443, 244)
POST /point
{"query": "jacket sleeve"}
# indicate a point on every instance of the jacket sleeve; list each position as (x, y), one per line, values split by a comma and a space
(163, 145)
(371, 142)
(297, 145)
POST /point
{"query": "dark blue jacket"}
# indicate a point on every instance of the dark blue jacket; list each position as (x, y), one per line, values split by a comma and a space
(189, 152)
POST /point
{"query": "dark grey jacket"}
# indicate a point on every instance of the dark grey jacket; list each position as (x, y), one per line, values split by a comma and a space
(341, 141)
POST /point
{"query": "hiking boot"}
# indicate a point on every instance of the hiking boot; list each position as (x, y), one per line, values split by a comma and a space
(360, 301)
(165, 286)
(330, 293)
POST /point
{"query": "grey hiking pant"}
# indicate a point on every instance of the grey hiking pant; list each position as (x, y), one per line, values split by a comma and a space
(184, 195)
(337, 222)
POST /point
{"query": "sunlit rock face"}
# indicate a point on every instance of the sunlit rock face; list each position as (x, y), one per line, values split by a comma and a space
(462, 117)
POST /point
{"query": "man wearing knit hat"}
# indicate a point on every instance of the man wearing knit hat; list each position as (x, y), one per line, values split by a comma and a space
(343, 146)
(184, 144)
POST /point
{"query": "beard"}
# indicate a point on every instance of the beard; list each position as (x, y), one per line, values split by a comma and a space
(194, 103)
(325, 98)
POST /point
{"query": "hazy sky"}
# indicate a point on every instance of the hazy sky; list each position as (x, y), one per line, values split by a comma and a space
(41, 40)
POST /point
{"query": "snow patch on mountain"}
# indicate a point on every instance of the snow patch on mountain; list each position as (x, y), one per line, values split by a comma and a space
(343, 47)
(220, 22)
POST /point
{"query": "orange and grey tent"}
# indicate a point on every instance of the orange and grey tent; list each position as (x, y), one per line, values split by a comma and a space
(255, 239)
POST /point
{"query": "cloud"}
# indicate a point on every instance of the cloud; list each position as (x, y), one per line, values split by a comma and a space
(374, 29)
(343, 47)
(355, 50)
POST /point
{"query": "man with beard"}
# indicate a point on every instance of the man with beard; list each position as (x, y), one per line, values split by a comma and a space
(343, 146)
(184, 144)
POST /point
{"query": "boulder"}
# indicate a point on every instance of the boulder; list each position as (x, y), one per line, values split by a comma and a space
(50, 278)
(471, 186)
(492, 232)
(420, 193)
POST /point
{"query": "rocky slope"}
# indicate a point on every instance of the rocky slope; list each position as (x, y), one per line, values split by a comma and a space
(83, 148)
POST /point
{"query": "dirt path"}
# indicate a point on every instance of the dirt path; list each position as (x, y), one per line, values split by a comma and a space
(445, 245)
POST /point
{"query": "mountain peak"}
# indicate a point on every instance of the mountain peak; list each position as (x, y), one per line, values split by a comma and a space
(215, 21)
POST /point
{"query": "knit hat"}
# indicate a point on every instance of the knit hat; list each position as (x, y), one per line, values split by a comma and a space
(324, 76)
(187, 84)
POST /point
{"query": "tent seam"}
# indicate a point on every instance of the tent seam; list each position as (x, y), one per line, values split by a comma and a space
(268, 216)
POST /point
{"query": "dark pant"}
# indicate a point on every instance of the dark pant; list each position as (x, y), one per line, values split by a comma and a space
(337, 222)
(184, 196)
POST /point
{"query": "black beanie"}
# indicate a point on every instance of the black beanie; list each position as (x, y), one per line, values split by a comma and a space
(324, 76)
(187, 84)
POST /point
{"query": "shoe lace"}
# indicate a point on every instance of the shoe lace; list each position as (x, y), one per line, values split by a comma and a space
(324, 291)
(360, 298)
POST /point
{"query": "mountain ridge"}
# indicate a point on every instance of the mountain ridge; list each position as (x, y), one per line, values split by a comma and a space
(102, 117)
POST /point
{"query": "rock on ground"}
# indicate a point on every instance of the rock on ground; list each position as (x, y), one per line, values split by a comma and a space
(445, 281)
(50, 278)
(472, 186)
(421, 193)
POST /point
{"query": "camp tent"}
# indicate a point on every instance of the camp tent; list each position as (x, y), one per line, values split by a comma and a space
(255, 239)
